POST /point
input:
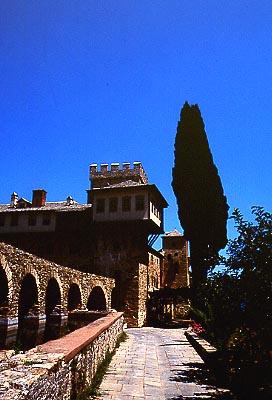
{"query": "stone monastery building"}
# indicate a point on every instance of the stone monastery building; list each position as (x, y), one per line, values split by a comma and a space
(110, 236)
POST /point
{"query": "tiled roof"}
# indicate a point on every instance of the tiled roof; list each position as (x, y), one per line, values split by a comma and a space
(56, 206)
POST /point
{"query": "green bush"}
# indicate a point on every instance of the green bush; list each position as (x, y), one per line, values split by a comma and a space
(237, 310)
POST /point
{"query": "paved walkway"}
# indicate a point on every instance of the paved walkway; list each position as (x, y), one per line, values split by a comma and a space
(158, 364)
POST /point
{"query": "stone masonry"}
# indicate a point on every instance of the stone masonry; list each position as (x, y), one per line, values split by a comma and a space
(17, 263)
(38, 298)
(110, 236)
(60, 369)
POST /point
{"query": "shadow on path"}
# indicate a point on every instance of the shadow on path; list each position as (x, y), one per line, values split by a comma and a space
(199, 374)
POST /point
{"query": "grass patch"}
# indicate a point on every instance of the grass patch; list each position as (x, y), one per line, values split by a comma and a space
(31, 362)
(92, 390)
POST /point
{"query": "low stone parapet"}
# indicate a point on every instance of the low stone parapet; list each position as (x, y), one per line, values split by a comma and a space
(206, 351)
(62, 368)
(79, 318)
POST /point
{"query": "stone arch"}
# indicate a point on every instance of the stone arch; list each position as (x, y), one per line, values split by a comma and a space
(28, 309)
(97, 299)
(74, 298)
(52, 295)
(107, 292)
(55, 275)
(8, 274)
(28, 295)
(32, 271)
(53, 309)
(4, 291)
(78, 282)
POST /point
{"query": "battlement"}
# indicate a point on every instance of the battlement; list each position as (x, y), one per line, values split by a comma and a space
(107, 176)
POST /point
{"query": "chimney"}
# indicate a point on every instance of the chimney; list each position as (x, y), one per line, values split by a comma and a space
(69, 201)
(39, 198)
(14, 199)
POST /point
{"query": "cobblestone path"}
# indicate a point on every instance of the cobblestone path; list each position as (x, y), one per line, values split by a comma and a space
(156, 363)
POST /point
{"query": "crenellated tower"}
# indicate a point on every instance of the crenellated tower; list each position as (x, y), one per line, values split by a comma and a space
(114, 175)
(127, 217)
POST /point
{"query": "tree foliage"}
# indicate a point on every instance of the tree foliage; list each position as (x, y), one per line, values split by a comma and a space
(238, 301)
(202, 206)
(251, 251)
(250, 255)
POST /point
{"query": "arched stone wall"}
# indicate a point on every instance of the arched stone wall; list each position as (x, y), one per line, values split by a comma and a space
(18, 264)
(54, 275)
(97, 299)
(74, 297)
(8, 273)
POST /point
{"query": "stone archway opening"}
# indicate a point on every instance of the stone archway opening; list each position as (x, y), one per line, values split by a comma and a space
(74, 297)
(4, 307)
(97, 300)
(52, 310)
(4, 291)
(52, 297)
(28, 312)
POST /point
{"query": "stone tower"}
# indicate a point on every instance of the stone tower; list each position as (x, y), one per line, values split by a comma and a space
(127, 217)
(175, 272)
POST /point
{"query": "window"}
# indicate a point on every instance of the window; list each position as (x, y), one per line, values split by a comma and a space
(32, 220)
(100, 205)
(2, 220)
(126, 203)
(113, 204)
(155, 211)
(14, 220)
(139, 203)
(46, 220)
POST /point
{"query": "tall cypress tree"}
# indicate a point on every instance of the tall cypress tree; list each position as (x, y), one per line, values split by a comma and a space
(202, 206)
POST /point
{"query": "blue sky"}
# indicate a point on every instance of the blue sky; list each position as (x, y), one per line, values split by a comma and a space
(86, 81)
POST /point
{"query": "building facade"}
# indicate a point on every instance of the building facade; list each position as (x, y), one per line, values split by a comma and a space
(111, 235)
(127, 218)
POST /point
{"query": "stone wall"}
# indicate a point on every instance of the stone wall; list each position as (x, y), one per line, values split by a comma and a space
(114, 174)
(154, 270)
(175, 262)
(62, 368)
(18, 263)
(123, 256)
(28, 309)
(142, 295)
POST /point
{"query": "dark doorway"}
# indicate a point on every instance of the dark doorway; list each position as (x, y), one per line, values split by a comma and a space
(118, 293)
